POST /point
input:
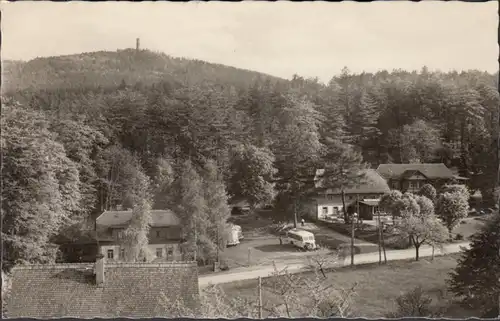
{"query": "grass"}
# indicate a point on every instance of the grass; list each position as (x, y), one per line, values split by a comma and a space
(378, 286)
(368, 233)
(469, 226)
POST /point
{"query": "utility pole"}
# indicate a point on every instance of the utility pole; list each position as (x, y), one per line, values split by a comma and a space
(137, 44)
(379, 238)
(260, 297)
(352, 231)
(383, 244)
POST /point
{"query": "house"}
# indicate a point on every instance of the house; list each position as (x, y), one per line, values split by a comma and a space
(106, 290)
(411, 177)
(328, 202)
(164, 234)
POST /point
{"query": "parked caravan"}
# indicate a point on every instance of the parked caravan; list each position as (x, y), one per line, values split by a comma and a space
(302, 239)
(232, 235)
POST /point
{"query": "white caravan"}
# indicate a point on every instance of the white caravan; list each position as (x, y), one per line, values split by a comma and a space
(233, 234)
(302, 239)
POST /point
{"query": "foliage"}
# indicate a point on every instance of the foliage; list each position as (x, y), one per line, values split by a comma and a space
(417, 142)
(453, 205)
(114, 121)
(343, 167)
(135, 237)
(476, 279)
(414, 303)
(428, 191)
(252, 170)
(217, 205)
(191, 207)
(40, 193)
(418, 223)
(389, 202)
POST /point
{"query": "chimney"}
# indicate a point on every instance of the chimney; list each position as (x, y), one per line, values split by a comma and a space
(137, 44)
(99, 270)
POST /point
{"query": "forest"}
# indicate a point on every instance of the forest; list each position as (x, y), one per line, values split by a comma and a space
(86, 133)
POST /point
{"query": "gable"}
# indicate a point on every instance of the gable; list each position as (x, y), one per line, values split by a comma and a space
(413, 175)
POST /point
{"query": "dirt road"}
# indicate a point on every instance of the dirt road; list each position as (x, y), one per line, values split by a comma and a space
(298, 264)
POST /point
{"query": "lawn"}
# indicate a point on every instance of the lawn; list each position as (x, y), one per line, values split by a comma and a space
(378, 286)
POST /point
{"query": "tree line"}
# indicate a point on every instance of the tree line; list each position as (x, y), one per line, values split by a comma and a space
(72, 153)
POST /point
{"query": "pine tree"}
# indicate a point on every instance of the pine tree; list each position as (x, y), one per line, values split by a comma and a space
(476, 279)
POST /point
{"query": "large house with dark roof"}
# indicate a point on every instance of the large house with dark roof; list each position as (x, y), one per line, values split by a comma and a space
(107, 290)
(164, 234)
(411, 177)
(326, 202)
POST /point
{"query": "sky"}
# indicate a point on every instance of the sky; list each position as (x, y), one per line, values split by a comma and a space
(312, 39)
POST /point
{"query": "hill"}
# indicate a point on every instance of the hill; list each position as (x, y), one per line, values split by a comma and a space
(106, 68)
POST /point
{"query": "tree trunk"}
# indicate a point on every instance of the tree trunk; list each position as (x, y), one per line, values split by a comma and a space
(379, 239)
(294, 213)
(417, 248)
(383, 246)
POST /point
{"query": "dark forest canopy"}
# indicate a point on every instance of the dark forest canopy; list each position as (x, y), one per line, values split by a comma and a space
(112, 118)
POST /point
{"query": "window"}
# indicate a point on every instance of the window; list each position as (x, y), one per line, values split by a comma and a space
(335, 210)
(170, 251)
(111, 254)
(413, 184)
(158, 234)
(351, 197)
(325, 210)
(159, 252)
(122, 254)
(394, 185)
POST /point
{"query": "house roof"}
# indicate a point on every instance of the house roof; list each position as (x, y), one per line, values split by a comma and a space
(373, 183)
(129, 290)
(160, 218)
(431, 171)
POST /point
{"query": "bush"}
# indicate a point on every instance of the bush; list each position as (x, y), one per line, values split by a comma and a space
(459, 237)
(414, 303)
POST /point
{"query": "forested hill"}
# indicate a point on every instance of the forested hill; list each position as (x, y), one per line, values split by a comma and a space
(106, 68)
(86, 133)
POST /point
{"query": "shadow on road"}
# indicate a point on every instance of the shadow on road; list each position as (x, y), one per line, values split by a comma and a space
(277, 248)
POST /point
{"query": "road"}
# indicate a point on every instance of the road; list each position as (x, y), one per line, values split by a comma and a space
(297, 265)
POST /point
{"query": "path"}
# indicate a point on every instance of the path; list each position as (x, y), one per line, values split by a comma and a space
(295, 265)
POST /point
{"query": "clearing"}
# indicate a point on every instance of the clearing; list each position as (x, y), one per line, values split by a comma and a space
(377, 286)
(261, 243)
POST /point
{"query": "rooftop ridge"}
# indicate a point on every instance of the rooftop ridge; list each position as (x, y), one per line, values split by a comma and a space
(52, 266)
(151, 265)
(108, 265)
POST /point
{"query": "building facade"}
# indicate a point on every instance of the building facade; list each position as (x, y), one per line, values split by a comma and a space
(164, 235)
(411, 177)
(325, 202)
